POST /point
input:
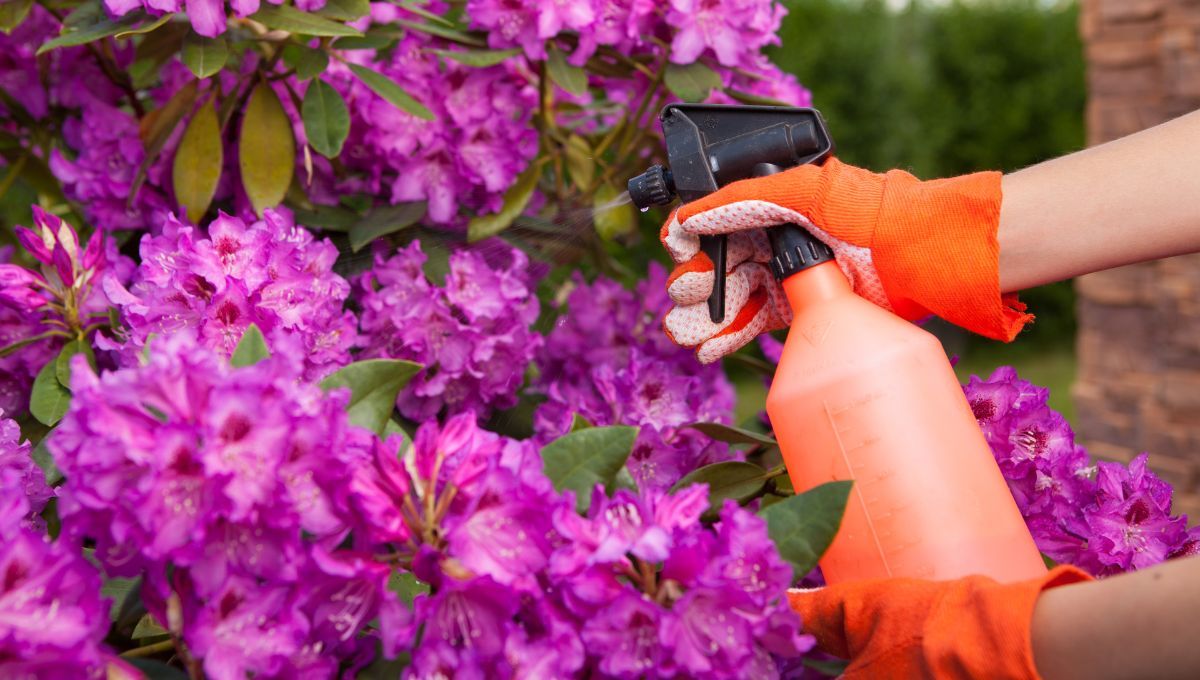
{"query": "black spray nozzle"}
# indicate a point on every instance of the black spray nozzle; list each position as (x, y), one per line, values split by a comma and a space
(710, 145)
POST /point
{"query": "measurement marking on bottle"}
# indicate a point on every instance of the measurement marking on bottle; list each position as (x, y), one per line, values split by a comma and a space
(859, 401)
(857, 492)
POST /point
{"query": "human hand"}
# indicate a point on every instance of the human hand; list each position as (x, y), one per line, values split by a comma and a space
(972, 627)
(913, 247)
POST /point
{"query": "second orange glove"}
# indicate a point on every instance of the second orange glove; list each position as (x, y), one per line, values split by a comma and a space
(909, 628)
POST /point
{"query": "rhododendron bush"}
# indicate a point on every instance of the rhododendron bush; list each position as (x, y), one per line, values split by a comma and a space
(330, 346)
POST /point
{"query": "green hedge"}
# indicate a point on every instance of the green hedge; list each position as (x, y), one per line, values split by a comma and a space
(946, 89)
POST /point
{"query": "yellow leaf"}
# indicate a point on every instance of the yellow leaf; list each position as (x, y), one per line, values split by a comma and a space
(266, 149)
(198, 162)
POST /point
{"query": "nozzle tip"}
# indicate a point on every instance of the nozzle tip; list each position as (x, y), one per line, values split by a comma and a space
(653, 187)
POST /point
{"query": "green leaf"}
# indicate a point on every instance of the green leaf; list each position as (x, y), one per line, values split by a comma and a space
(578, 423)
(478, 58)
(733, 435)
(62, 364)
(35, 172)
(371, 41)
(581, 162)
(307, 61)
(832, 668)
(570, 78)
(580, 460)
(119, 590)
(625, 480)
(251, 349)
(48, 400)
(196, 168)
(158, 125)
(326, 118)
(346, 10)
(292, 20)
(515, 200)
(383, 221)
(691, 82)
(148, 27)
(747, 98)
(374, 385)
(12, 13)
(148, 627)
(388, 89)
(1046, 559)
(611, 216)
(803, 526)
(406, 585)
(327, 218)
(266, 149)
(450, 34)
(90, 22)
(41, 456)
(731, 479)
(154, 669)
(204, 56)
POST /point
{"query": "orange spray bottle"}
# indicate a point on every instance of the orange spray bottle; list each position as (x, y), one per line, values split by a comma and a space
(859, 394)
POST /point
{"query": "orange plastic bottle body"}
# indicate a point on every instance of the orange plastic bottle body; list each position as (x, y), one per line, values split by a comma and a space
(862, 394)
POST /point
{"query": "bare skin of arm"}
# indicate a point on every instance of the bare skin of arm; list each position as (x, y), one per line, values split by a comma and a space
(1130, 200)
(1136, 625)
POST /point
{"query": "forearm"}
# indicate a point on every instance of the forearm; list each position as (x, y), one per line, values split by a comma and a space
(1135, 625)
(1131, 200)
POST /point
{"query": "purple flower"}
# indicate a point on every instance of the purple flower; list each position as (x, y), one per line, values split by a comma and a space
(101, 176)
(39, 309)
(608, 361)
(479, 140)
(715, 606)
(238, 481)
(52, 618)
(28, 482)
(270, 273)
(1104, 518)
(732, 29)
(66, 77)
(472, 335)
(207, 16)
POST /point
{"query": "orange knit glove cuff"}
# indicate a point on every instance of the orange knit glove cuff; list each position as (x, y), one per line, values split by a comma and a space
(968, 628)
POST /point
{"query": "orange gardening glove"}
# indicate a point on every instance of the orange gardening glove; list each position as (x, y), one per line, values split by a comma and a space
(913, 247)
(969, 628)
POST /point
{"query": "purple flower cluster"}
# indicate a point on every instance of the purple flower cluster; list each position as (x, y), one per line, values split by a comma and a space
(270, 273)
(715, 607)
(479, 140)
(469, 513)
(207, 16)
(68, 77)
(108, 154)
(608, 361)
(1106, 518)
(52, 617)
(733, 31)
(228, 491)
(520, 584)
(472, 334)
(38, 309)
(23, 479)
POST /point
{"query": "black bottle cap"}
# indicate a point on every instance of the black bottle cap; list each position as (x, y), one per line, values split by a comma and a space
(795, 250)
